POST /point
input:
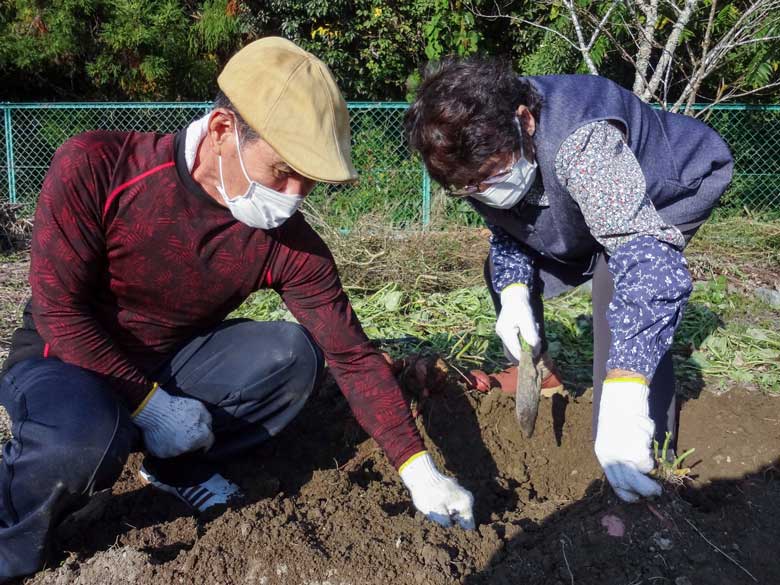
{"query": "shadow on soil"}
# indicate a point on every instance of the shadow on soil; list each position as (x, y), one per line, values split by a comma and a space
(725, 532)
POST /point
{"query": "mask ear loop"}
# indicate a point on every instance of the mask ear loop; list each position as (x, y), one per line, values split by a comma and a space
(240, 161)
(520, 132)
(238, 150)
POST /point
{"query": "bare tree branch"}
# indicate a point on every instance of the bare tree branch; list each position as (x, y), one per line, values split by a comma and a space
(650, 10)
(584, 49)
(747, 26)
(470, 7)
(658, 70)
(619, 46)
(600, 26)
(736, 95)
(727, 96)
(627, 29)
(579, 45)
(752, 41)
(667, 56)
(705, 47)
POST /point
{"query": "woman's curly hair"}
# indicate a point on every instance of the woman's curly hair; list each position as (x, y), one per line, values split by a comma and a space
(463, 115)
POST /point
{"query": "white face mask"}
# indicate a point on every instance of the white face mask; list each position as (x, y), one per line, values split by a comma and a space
(510, 190)
(260, 206)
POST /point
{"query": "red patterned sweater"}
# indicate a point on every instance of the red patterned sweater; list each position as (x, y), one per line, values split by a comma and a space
(131, 258)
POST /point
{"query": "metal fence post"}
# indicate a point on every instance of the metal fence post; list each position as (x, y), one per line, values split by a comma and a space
(426, 197)
(9, 153)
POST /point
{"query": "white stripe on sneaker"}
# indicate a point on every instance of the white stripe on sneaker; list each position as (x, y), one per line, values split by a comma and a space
(215, 490)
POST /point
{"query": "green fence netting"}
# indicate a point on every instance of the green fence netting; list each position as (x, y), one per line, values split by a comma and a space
(392, 181)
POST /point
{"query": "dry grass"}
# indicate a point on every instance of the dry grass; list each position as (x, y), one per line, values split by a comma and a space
(14, 291)
(438, 259)
(443, 258)
(15, 230)
(744, 250)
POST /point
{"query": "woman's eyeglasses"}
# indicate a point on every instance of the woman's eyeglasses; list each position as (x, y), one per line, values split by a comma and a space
(473, 189)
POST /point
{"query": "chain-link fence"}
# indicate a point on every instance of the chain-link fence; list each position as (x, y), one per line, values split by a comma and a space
(391, 178)
(392, 181)
(32, 133)
(753, 134)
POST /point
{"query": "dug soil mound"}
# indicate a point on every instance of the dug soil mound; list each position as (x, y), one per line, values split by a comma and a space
(324, 507)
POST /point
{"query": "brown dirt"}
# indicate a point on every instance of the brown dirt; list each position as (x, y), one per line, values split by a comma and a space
(324, 507)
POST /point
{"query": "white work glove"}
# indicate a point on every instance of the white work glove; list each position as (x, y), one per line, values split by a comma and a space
(437, 496)
(624, 436)
(516, 316)
(172, 425)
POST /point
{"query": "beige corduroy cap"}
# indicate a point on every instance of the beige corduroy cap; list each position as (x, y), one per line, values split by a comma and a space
(291, 99)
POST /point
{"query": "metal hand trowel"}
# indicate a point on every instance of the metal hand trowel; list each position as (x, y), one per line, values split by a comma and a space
(529, 387)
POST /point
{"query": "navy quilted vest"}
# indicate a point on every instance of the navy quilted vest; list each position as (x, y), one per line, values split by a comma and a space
(675, 152)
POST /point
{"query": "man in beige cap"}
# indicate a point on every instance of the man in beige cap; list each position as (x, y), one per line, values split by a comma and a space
(143, 245)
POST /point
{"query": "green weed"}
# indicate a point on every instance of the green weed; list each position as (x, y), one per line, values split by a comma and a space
(670, 469)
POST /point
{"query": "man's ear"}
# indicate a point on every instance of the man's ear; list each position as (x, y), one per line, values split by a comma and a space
(220, 128)
(527, 121)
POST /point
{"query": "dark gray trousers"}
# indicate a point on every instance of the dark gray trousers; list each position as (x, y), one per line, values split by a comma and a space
(72, 435)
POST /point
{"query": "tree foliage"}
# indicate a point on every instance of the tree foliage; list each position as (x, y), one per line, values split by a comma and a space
(173, 49)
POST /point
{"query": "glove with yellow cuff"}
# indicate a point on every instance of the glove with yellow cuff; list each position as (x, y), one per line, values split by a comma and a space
(517, 317)
(623, 438)
(173, 425)
(437, 496)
